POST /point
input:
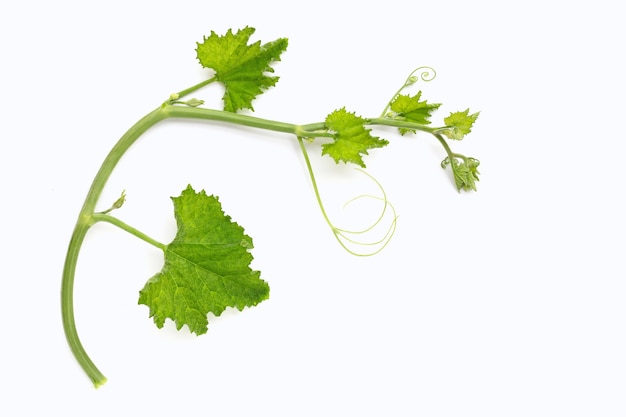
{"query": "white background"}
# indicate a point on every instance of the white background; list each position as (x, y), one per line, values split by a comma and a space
(504, 302)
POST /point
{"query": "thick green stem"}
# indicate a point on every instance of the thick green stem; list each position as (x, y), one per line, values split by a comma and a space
(184, 112)
(85, 220)
(67, 303)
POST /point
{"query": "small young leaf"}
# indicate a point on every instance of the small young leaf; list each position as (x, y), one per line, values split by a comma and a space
(352, 139)
(459, 124)
(194, 102)
(465, 172)
(413, 110)
(206, 267)
(240, 67)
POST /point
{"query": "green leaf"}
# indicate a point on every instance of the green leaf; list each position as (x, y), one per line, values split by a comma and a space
(240, 67)
(459, 124)
(465, 172)
(413, 110)
(351, 138)
(194, 102)
(206, 267)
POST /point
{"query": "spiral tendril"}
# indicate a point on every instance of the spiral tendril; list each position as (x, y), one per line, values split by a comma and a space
(424, 73)
(347, 237)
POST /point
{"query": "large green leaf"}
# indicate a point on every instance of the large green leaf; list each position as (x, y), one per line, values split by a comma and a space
(242, 68)
(207, 267)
